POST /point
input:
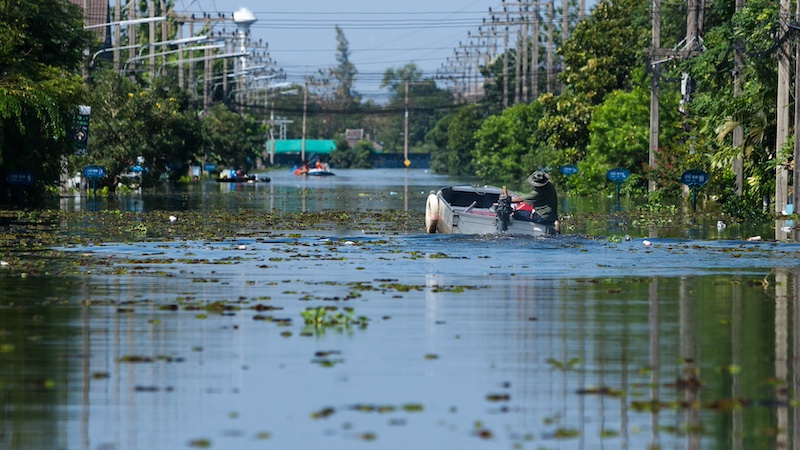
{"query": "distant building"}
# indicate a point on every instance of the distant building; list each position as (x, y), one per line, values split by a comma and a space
(352, 136)
(289, 151)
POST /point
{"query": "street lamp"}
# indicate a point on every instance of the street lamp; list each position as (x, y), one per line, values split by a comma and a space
(127, 22)
(169, 52)
(188, 40)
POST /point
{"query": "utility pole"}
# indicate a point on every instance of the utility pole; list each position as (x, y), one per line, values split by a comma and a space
(796, 161)
(152, 12)
(782, 134)
(117, 18)
(132, 31)
(738, 132)
(305, 107)
(405, 141)
(692, 47)
(655, 120)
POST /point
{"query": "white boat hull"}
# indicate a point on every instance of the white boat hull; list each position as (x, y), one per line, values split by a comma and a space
(469, 210)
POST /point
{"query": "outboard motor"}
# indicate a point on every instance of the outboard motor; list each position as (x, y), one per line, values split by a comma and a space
(503, 211)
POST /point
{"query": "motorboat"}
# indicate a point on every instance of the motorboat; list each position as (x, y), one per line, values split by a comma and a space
(243, 179)
(319, 173)
(478, 210)
(313, 172)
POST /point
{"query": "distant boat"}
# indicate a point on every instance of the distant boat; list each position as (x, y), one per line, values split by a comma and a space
(244, 179)
(313, 172)
(319, 173)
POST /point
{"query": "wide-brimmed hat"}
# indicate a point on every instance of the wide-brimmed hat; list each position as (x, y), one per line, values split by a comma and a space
(538, 179)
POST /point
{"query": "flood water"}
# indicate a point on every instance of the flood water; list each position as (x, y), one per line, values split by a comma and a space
(417, 341)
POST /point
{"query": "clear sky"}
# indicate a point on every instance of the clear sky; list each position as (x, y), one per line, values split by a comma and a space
(381, 34)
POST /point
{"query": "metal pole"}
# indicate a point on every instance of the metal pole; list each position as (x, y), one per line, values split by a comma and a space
(782, 134)
(303, 142)
(405, 143)
(655, 122)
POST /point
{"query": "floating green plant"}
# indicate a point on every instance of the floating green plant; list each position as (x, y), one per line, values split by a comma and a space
(200, 443)
(564, 365)
(324, 317)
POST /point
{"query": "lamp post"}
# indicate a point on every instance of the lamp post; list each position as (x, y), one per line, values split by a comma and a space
(127, 22)
(116, 23)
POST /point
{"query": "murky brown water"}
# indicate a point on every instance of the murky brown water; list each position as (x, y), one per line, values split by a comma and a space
(441, 342)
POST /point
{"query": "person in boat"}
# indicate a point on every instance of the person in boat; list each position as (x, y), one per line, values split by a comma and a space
(303, 169)
(539, 205)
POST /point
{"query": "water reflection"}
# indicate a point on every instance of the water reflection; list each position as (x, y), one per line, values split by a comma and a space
(564, 342)
(686, 361)
(378, 189)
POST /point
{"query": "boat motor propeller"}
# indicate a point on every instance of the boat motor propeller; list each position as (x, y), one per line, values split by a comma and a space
(503, 211)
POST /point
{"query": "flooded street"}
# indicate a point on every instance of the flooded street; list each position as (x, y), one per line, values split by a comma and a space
(348, 337)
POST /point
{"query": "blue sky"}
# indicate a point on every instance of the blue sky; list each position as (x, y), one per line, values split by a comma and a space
(301, 36)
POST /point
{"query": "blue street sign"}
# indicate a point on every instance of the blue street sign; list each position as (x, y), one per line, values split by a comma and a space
(569, 169)
(94, 171)
(618, 175)
(694, 178)
(20, 178)
(210, 167)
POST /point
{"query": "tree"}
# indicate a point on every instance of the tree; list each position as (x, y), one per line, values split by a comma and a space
(425, 103)
(502, 152)
(41, 43)
(601, 53)
(344, 73)
(332, 100)
(620, 131)
(132, 126)
(358, 157)
(230, 139)
(453, 152)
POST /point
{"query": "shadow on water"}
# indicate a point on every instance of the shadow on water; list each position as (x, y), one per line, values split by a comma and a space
(316, 340)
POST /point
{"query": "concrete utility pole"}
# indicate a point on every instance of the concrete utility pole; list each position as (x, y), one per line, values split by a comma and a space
(303, 142)
(692, 47)
(655, 118)
(738, 132)
(132, 31)
(782, 134)
(526, 41)
(405, 134)
(152, 12)
(117, 18)
(796, 182)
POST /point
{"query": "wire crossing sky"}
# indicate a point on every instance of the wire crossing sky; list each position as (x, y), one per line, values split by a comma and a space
(301, 36)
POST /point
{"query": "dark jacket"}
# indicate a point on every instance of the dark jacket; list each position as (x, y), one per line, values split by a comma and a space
(544, 200)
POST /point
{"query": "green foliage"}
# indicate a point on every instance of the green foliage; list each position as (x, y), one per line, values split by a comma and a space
(502, 153)
(133, 125)
(454, 138)
(745, 208)
(425, 102)
(229, 139)
(358, 157)
(601, 54)
(40, 48)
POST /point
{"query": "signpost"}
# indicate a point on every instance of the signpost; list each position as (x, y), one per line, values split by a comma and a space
(694, 178)
(569, 170)
(20, 178)
(81, 129)
(617, 176)
(94, 173)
